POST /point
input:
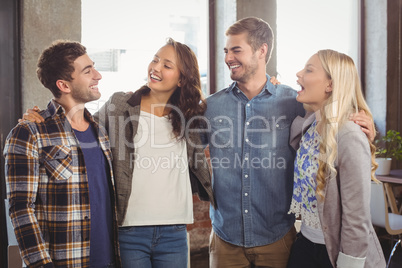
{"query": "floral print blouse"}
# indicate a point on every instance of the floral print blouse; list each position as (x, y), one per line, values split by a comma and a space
(304, 201)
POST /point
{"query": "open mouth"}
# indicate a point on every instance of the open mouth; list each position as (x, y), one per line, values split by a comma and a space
(301, 87)
(154, 77)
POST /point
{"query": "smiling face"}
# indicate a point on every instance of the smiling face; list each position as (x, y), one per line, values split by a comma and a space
(84, 86)
(163, 71)
(315, 84)
(242, 61)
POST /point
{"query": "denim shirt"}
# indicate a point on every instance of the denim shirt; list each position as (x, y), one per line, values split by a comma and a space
(252, 163)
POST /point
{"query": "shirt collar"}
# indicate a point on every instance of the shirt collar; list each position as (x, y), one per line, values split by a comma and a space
(54, 108)
(268, 88)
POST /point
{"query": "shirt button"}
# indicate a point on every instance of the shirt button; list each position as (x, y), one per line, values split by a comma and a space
(246, 211)
(277, 125)
(246, 140)
(248, 104)
(246, 176)
(246, 194)
(246, 158)
(220, 120)
(238, 91)
(248, 123)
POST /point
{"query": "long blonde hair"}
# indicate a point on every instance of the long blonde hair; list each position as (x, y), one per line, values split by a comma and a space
(346, 98)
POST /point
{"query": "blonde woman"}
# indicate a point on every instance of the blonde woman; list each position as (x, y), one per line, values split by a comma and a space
(333, 169)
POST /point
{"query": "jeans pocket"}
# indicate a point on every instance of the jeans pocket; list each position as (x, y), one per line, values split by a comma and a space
(289, 239)
(180, 227)
(126, 229)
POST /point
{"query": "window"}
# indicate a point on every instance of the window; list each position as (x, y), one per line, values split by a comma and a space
(122, 36)
(304, 27)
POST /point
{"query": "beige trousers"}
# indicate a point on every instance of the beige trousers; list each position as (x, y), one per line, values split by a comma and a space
(276, 255)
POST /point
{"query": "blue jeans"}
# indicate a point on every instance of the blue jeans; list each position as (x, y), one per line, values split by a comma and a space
(307, 254)
(158, 246)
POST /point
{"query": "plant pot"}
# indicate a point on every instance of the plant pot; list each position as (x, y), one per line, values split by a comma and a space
(384, 166)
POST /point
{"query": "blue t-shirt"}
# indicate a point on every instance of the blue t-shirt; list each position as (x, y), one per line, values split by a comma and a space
(98, 172)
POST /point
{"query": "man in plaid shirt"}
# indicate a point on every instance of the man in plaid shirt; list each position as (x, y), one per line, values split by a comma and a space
(59, 178)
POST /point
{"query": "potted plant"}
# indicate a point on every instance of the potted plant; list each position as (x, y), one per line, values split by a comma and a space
(388, 147)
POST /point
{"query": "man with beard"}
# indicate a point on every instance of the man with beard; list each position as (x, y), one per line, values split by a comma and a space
(58, 172)
(247, 130)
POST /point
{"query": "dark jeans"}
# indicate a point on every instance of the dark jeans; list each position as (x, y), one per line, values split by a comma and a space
(306, 254)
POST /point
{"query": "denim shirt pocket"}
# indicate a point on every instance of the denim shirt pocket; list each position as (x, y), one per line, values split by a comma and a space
(57, 161)
(222, 134)
(281, 128)
(272, 134)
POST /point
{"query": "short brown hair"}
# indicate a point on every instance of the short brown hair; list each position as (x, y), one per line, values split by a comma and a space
(56, 62)
(258, 30)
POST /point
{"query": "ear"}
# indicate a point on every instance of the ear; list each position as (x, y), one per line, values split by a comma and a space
(179, 83)
(263, 50)
(328, 89)
(63, 86)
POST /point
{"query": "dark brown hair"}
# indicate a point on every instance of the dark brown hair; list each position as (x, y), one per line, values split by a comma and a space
(258, 30)
(56, 62)
(187, 98)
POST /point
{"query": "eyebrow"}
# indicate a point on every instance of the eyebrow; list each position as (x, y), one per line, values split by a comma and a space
(232, 48)
(165, 59)
(88, 67)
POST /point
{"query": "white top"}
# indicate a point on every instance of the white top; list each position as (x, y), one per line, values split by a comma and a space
(315, 235)
(161, 188)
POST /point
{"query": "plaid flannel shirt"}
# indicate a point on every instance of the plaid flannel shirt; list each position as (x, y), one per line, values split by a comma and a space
(47, 188)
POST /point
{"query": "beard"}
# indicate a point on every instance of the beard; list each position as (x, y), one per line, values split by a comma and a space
(85, 95)
(249, 70)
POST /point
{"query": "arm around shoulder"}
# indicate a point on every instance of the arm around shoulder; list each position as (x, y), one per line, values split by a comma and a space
(108, 108)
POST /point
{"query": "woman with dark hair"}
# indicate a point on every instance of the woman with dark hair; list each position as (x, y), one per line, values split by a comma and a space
(156, 159)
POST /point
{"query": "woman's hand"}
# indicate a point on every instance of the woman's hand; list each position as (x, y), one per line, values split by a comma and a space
(365, 123)
(32, 115)
(274, 81)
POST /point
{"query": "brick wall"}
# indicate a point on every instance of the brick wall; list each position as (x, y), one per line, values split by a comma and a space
(201, 228)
